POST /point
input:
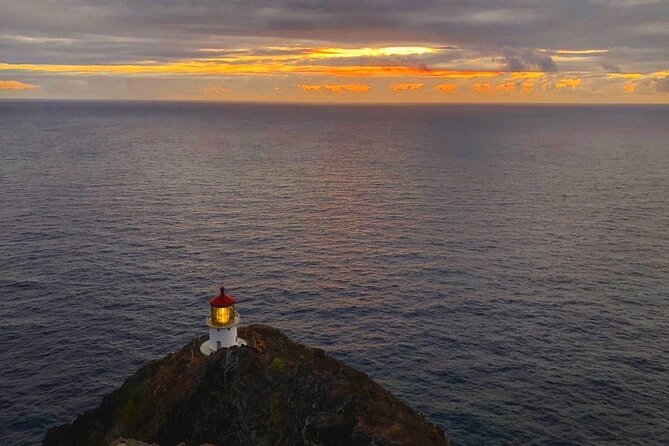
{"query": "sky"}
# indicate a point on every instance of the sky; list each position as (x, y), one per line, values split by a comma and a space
(536, 51)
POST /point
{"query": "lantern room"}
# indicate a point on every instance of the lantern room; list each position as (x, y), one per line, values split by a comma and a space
(222, 309)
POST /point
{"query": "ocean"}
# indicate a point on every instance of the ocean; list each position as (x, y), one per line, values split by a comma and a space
(503, 269)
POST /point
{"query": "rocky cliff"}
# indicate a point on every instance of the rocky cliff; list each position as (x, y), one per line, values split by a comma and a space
(271, 392)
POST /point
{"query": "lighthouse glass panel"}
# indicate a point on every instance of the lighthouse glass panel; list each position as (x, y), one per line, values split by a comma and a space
(222, 316)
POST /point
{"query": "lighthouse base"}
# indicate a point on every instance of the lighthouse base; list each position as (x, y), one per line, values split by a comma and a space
(207, 348)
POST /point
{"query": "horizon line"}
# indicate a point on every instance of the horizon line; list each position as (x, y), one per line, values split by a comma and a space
(330, 103)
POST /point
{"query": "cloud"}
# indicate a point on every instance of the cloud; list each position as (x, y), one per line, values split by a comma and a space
(123, 31)
(310, 88)
(327, 53)
(482, 88)
(527, 87)
(351, 88)
(396, 88)
(303, 42)
(511, 16)
(345, 88)
(588, 52)
(216, 90)
(16, 85)
(527, 75)
(568, 83)
(611, 68)
(527, 60)
(507, 87)
(662, 85)
(234, 67)
(654, 82)
(625, 75)
(446, 88)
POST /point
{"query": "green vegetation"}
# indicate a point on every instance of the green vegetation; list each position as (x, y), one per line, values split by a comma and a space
(279, 341)
(277, 364)
(136, 410)
(277, 411)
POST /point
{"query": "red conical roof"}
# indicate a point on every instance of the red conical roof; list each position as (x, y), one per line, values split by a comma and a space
(222, 300)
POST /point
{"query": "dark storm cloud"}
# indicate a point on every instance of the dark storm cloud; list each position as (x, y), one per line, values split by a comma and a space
(527, 60)
(611, 68)
(90, 31)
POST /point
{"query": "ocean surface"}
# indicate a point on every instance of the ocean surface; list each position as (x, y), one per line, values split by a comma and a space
(503, 269)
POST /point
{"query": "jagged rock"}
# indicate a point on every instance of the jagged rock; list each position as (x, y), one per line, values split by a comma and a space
(272, 392)
(131, 442)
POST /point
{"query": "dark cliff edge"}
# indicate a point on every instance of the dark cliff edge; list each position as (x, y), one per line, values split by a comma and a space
(272, 392)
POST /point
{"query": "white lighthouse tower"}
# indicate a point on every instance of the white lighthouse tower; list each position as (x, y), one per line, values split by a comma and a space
(222, 323)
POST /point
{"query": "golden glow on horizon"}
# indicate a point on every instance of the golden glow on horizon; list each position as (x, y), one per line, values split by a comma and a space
(281, 54)
(625, 75)
(351, 88)
(291, 70)
(568, 83)
(637, 76)
(327, 53)
(506, 87)
(354, 88)
(575, 52)
(446, 88)
(214, 91)
(482, 88)
(311, 87)
(527, 74)
(527, 87)
(396, 88)
(217, 68)
(16, 85)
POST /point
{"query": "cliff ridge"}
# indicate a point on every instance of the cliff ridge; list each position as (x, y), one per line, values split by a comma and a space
(272, 392)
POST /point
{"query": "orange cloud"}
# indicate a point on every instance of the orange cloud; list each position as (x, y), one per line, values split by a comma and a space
(212, 67)
(629, 88)
(507, 87)
(568, 83)
(16, 85)
(624, 75)
(527, 87)
(394, 71)
(406, 87)
(527, 74)
(215, 91)
(575, 52)
(446, 88)
(638, 76)
(301, 53)
(310, 87)
(482, 88)
(370, 52)
(351, 88)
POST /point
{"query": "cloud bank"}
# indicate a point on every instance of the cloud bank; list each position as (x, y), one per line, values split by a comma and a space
(111, 43)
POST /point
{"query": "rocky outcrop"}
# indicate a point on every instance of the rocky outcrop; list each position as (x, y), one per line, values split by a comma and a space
(271, 392)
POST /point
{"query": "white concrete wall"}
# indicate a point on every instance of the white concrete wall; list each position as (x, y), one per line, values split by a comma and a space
(227, 336)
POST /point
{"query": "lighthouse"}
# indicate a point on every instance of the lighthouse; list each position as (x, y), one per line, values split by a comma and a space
(222, 323)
